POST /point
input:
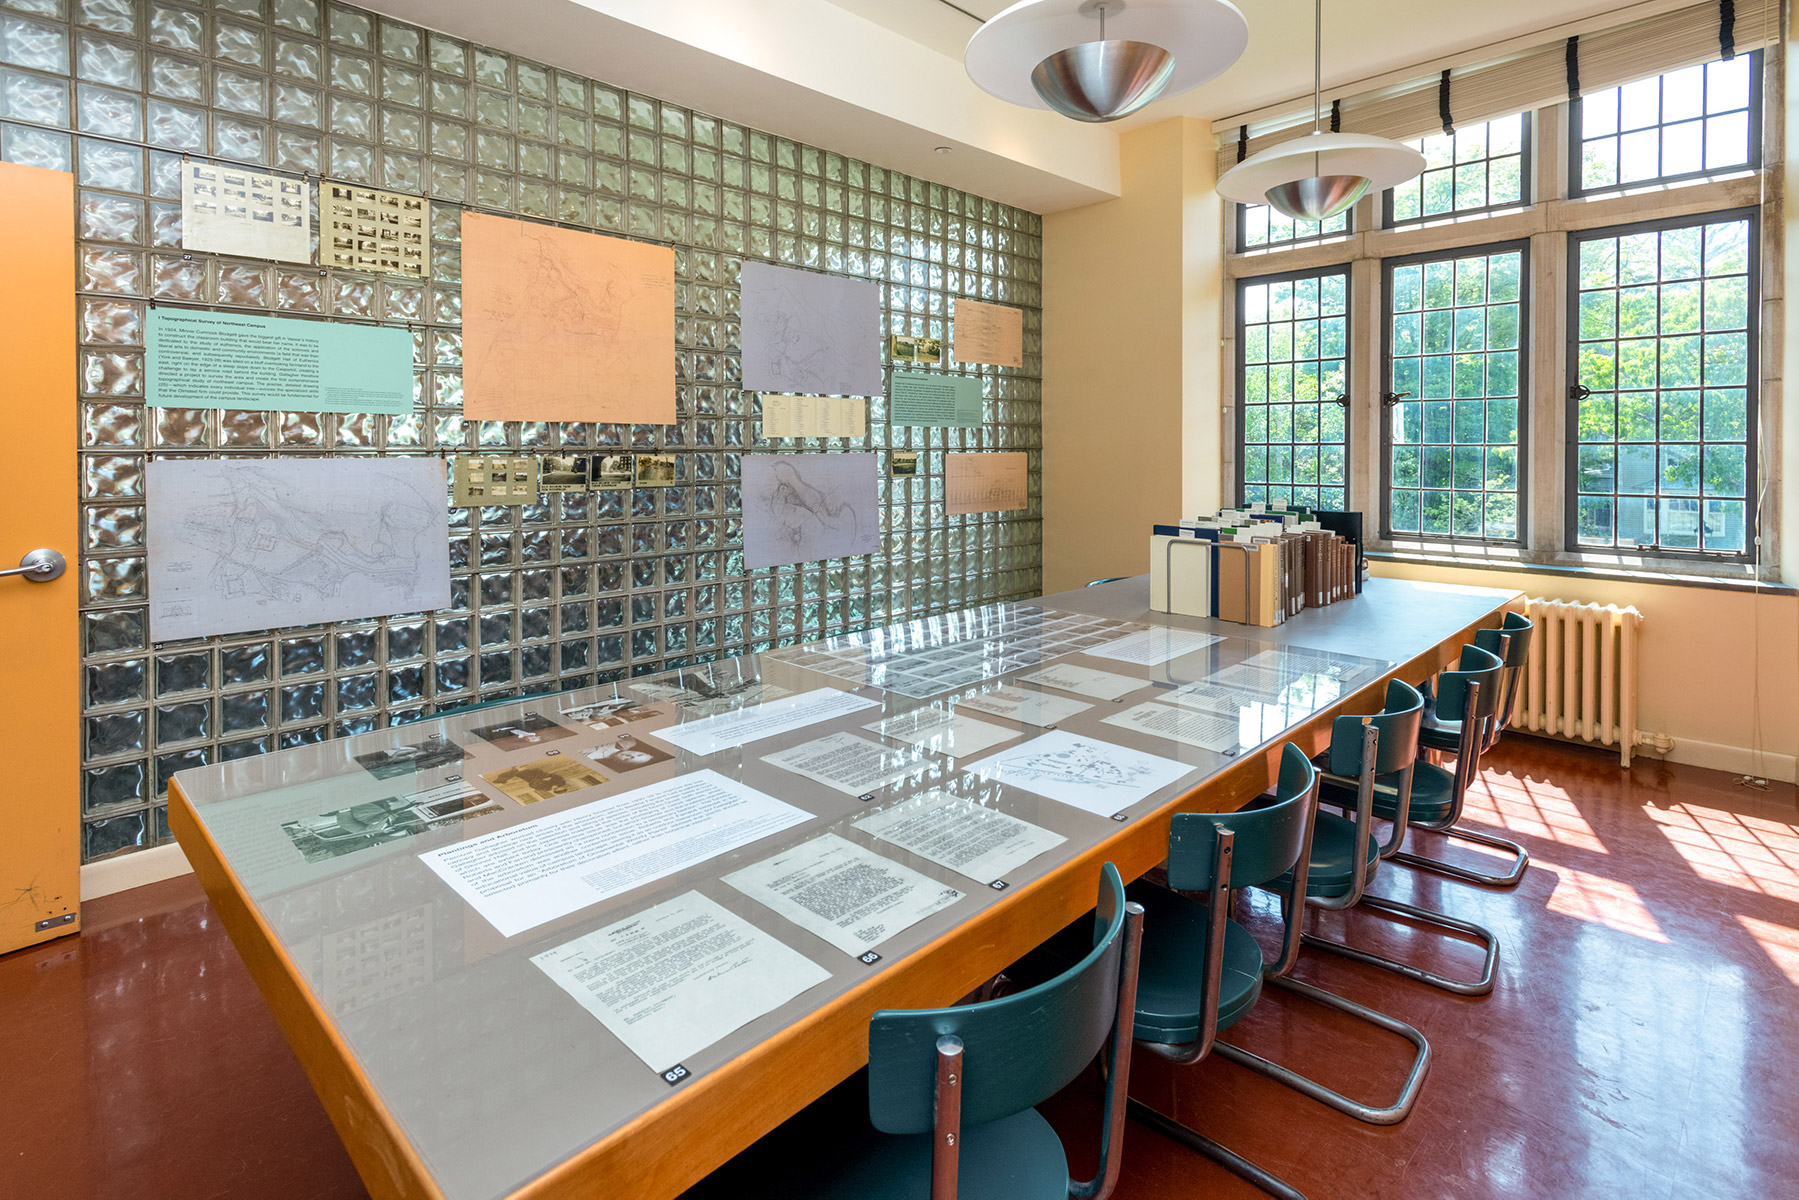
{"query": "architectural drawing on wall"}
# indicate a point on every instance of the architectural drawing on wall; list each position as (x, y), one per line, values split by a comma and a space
(807, 332)
(977, 483)
(259, 543)
(228, 209)
(560, 325)
(367, 229)
(988, 333)
(800, 507)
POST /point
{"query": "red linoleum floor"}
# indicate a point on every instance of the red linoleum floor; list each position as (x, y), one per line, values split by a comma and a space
(1642, 1042)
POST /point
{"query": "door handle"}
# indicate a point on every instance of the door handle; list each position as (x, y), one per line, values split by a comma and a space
(39, 566)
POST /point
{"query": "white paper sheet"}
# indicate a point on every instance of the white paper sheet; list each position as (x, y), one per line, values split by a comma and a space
(1193, 727)
(671, 980)
(1262, 681)
(982, 843)
(245, 211)
(834, 889)
(709, 735)
(944, 731)
(1154, 646)
(1349, 669)
(522, 876)
(255, 543)
(1032, 708)
(1085, 681)
(1081, 772)
(1208, 697)
(853, 765)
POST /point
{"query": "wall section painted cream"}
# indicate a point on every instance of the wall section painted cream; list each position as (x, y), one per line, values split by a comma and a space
(1131, 369)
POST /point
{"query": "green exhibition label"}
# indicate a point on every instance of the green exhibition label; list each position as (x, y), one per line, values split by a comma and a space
(918, 398)
(198, 359)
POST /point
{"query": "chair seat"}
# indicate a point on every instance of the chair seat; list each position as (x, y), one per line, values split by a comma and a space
(1172, 972)
(1439, 734)
(829, 1151)
(1333, 857)
(1433, 794)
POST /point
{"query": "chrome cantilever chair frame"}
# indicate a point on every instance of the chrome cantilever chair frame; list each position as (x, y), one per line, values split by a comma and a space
(1473, 728)
(1280, 975)
(1450, 827)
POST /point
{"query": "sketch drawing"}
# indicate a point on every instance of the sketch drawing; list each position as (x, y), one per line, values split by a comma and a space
(807, 332)
(1080, 763)
(248, 544)
(801, 507)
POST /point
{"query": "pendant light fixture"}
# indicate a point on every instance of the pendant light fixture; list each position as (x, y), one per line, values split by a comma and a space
(1099, 60)
(1317, 176)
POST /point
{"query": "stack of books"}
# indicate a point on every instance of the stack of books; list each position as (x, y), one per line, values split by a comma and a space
(1257, 566)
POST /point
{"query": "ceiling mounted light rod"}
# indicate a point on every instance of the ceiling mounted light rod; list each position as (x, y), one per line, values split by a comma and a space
(1319, 175)
(1044, 53)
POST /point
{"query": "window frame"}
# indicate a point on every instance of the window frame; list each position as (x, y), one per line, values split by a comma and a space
(1527, 183)
(1752, 379)
(1239, 238)
(1576, 142)
(1521, 540)
(1240, 371)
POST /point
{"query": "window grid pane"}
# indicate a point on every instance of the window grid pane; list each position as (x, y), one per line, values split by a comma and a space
(1482, 168)
(1664, 432)
(1687, 124)
(1292, 365)
(1455, 359)
(1262, 227)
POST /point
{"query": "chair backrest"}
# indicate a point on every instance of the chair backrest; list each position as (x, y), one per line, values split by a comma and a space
(1475, 666)
(1018, 1050)
(1397, 724)
(1269, 839)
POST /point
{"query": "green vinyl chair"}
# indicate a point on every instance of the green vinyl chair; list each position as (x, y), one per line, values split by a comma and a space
(1382, 776)
(1202, 972)
(950, 1092)
(1439, 736)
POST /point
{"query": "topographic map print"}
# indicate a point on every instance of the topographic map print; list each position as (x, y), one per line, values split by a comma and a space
(806, 332)
(257, 543)
(560, 325)
(800, 507)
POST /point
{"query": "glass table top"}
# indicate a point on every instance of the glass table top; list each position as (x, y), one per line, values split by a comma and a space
(1075, 714)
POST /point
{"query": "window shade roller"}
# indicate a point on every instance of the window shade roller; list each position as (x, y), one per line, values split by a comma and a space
(1531, 79)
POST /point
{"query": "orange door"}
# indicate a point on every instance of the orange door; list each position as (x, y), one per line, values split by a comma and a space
(40, 716)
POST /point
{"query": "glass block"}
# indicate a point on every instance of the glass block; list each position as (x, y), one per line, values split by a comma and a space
(101, 60)
(34, 98)
(108, 113)
(299, 15)
(186, 722)
(353, 73)
(352, 161)
(25, 43)
(297, 151)
(35, 148)
(240, 712)
(242, 44)
(113, 630)
(241, 92)
(115, 733)
(242, 141)
(113, 835)
(115, 683)
(176, 126)
(119, 786)
(176, 28)
(245, 664)
(242, 284)
(302, 60)
(106, 218)
(352, 118)
(104, 270)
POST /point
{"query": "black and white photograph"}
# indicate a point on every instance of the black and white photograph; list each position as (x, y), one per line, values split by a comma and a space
(613, 472)
(523, 732)
(562, 473)
(546, 777)
(902, 462)
(605, 714)
(411, 758)
(625, 753)
(655, 470)
(391, 819)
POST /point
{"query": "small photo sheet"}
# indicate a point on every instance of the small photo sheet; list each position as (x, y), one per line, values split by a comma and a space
(1154, 646)
(523, 731)
(944, 731)
(970, 839)
(740, 726)
(849, 763)
(850, 897)
(1030, 708)
(675, 978)
(1084, 681)
(544, 778)
(1090, 775)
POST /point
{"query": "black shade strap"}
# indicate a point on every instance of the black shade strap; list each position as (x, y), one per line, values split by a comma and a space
(1336, 116)
(1573, 54)
(1727, 29)
(1242, 142)
(1443, 102)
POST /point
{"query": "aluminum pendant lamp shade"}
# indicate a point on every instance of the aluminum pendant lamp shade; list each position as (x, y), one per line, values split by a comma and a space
(1099, 60)
(1102, 81)
(1319, 175)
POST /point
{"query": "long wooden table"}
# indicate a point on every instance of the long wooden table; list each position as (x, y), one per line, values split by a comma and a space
(453, 1068)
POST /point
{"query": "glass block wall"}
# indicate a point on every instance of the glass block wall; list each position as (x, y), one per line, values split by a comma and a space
(566, 592)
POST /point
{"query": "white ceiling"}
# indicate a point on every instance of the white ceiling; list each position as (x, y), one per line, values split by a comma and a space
(1363, 40)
